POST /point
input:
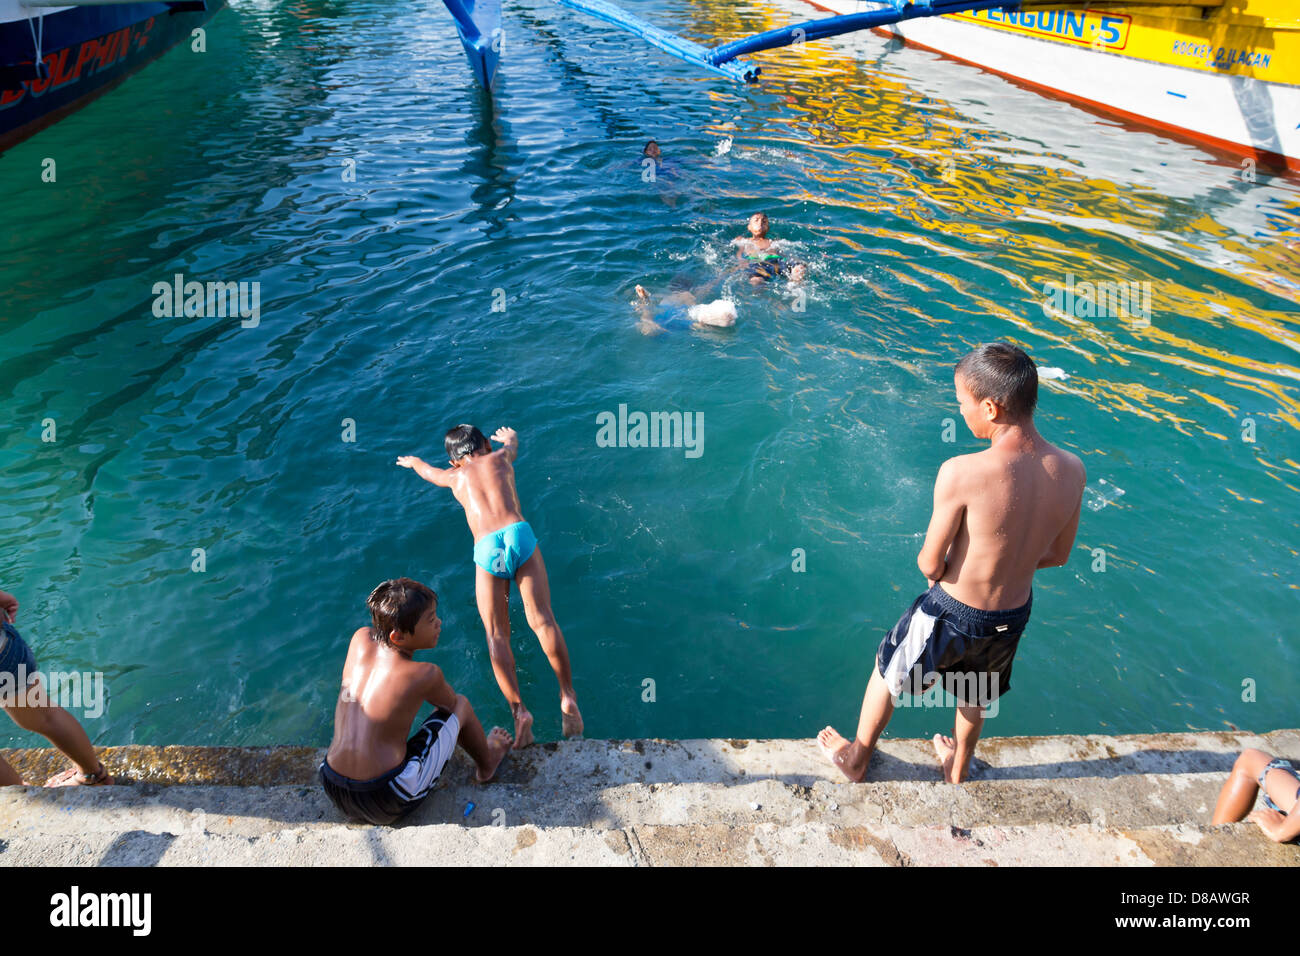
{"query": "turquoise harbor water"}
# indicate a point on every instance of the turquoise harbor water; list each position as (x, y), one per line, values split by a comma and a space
(823, 428)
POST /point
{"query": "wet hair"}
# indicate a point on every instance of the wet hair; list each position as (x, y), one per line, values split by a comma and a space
(1004, 373)
(464, 440)
(397, 605)
(646, 151)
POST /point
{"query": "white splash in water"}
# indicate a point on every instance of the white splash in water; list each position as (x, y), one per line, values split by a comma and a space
(723, 148)
(1103, 494)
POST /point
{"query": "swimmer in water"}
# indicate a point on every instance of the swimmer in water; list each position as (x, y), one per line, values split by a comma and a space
(681, 309)
(761, 261)
(654, 168)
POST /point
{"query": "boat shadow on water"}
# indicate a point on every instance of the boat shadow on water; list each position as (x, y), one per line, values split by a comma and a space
(493, 161)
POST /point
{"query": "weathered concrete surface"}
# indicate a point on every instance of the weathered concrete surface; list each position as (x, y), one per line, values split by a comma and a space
(1137, 800)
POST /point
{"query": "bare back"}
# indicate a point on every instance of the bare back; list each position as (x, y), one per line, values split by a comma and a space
(485, 487)
(382, 693)
(1019, 511)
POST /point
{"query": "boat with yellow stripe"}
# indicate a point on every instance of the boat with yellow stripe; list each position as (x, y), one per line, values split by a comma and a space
(1223, 72)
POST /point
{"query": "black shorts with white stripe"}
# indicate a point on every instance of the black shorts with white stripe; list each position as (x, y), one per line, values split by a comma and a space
(970, 650)
(388, 798)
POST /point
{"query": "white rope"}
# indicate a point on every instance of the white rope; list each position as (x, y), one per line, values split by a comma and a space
(37, 42)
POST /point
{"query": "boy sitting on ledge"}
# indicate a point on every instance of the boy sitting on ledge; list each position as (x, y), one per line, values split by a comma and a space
(1274, 779)
(372, 772)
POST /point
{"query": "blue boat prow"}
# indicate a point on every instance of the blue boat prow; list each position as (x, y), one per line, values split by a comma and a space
(479, 24)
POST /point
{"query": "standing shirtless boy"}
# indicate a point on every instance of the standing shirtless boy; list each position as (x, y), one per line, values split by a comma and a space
(999, 515)
(505, 549)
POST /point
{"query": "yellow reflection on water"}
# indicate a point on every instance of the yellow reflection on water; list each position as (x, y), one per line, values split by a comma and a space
(995, 210)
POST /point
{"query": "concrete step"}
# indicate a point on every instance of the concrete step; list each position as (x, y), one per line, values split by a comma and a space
(1119, 799)
(804, 844)
(1137, 800)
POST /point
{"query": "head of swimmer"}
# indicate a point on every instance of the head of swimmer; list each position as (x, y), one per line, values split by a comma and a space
(758, 225)
(465, 441)
(997, 386)
(651, 150)
(404, 615)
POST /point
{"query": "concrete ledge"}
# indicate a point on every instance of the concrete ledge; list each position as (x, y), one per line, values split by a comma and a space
(1087, 800)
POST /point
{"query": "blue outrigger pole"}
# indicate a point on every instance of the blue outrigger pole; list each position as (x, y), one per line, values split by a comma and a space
(720, 59)
(680, 47)
(890, 11)
(479, 24)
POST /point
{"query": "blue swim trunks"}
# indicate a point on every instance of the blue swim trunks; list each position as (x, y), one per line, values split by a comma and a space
(940, 638)
(16, 658)
(504, 550)
(674, 318)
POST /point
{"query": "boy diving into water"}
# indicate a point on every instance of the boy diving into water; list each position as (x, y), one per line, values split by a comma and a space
(372, 772)
(505, 549)
(999, 515)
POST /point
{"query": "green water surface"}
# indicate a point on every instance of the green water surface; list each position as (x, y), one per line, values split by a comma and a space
(934, 203)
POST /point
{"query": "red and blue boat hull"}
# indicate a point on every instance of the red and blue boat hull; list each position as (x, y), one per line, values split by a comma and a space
(82, 52)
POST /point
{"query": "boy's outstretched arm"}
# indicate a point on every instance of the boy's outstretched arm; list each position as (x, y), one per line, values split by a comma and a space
(508, 438)
(945, 521)
(438, 476)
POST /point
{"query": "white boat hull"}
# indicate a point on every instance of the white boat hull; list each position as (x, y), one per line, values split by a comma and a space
(1236, 113)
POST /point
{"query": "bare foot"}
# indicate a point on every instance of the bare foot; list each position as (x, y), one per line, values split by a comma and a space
(946, 749)
(834, 747)
(498, 746)
(72, 777)
(570, 718)
(641, 293)
(523, 727)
